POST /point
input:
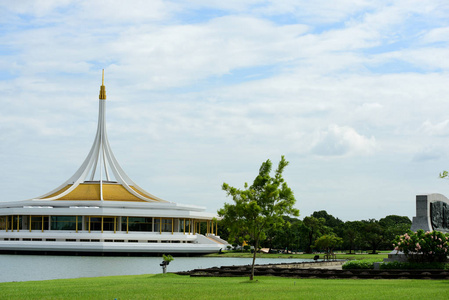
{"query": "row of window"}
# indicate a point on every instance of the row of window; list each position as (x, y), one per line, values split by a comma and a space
(95, 223)
(96, 240)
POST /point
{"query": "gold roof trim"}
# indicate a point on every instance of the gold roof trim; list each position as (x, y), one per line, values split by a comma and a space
(91, 192)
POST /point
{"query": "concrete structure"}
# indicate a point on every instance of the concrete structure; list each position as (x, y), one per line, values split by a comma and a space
(101, 210)
(432, 213)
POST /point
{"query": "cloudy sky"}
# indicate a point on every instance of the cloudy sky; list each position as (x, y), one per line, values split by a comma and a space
(354, 93)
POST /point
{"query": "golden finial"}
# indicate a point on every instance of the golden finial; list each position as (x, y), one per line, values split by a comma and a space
(102, 89)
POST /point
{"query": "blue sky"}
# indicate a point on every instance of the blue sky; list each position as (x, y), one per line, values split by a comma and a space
(353, 93)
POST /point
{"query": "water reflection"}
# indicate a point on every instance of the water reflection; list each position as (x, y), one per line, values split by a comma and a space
(37, 267)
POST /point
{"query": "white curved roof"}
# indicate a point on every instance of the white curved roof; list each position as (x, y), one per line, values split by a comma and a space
(100, 177)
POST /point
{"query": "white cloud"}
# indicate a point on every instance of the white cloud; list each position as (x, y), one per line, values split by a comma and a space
(343, 140)
(37, 8)
(436, 35)
(438, 129)
(88, 11)
(179, 55)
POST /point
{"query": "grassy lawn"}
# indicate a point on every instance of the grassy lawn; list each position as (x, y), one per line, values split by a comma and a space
(358, 256)
(172, 286)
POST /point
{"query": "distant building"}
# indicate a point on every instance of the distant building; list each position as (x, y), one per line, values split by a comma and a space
(101, 210)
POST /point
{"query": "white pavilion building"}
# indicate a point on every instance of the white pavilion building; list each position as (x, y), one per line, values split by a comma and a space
(101, 210)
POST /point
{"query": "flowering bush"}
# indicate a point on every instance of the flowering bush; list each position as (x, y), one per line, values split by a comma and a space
(423, 246)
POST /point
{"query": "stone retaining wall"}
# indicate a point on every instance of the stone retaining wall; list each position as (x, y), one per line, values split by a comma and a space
(290, 270)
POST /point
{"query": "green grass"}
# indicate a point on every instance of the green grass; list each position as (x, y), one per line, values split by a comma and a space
(358, 256)
(172, 286)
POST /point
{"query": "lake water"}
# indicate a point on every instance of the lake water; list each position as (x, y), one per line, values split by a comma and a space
(45, 267)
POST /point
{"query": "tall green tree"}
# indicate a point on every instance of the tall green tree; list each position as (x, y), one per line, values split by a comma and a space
(334, 224)
(288, 237)
(311, 229)
(373, 234)
(331, 221)
(258, 207)
(351, 234)
(393, 226)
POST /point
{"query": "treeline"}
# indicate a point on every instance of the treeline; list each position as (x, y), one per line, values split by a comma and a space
(300, 235)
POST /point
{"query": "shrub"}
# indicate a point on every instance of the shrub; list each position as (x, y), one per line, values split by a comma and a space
(360, 264)
(423, 246)
(413, 265)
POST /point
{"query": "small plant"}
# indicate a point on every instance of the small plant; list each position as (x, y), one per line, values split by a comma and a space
(166, 261)
(424, 247)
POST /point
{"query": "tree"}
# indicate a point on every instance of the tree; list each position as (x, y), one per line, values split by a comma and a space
(373, 234)
(311, 229)
(331, 221)
(334, 224)
(351, 234)
(444, 174)
(327, 243)
(284, 236)
(393, 226)
(258, 207)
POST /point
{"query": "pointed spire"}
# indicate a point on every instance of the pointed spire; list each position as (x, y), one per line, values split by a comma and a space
(102, 89)
(100, 158)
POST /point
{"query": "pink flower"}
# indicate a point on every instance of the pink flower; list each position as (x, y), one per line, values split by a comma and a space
(396, 248)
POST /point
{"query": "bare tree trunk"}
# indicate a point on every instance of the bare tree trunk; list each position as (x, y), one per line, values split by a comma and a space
(256, 245)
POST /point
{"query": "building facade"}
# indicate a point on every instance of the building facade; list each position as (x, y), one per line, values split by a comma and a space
(101, 210)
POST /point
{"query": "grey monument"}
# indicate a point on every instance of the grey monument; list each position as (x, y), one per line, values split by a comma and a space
(432, 213)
